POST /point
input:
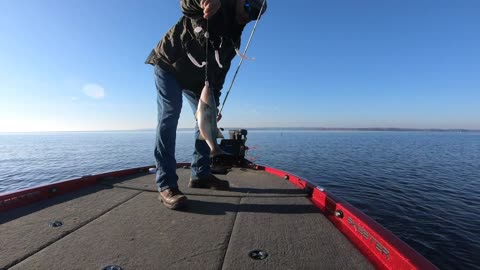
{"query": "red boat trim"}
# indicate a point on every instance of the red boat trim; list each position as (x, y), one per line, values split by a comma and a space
(9, 201)
(379, 245)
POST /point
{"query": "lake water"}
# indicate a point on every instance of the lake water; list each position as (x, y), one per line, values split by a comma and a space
(422, 186)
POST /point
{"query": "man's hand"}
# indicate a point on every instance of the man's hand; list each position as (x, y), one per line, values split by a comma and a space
(210, 7)
(219, 116)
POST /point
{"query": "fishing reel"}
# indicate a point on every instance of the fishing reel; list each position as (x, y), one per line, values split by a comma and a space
(235, 149)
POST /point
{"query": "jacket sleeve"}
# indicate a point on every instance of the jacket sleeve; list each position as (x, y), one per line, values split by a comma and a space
(191, 8)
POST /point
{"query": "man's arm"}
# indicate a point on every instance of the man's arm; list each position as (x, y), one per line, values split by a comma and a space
(199, 8)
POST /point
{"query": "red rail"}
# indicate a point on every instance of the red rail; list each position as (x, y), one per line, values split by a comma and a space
(24, 197)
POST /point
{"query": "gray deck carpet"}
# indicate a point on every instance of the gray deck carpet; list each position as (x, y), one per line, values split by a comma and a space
(121, 222)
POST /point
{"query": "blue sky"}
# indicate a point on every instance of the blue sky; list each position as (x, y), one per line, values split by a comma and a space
(78, 65)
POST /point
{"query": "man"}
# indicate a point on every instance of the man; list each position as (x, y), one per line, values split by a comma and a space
(179, 62)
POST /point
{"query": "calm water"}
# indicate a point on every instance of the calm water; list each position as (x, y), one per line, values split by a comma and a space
(424, 187)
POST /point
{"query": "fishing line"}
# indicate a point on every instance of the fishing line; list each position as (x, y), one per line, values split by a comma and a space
(241, 58)
(207, 35)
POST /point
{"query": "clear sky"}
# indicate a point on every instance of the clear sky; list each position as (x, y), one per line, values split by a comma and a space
(79, 65)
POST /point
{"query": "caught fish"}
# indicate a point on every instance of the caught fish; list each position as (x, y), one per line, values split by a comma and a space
(207, 120)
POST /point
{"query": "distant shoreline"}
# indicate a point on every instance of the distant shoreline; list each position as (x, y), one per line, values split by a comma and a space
(272, 129)
(373, 129)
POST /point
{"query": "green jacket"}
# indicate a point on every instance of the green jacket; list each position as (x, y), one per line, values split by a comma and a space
(182, 39)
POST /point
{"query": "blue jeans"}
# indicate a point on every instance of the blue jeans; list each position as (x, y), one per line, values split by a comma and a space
(169, 104)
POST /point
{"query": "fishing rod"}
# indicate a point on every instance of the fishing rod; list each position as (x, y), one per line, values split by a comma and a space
(242, 58)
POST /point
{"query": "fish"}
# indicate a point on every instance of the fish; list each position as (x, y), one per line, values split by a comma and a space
(206, 116)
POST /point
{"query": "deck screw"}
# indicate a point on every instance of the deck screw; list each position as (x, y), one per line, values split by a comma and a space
(258, 254)
(112, 267)
(55, 224)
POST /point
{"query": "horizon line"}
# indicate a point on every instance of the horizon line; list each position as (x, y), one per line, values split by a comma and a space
(267, 128)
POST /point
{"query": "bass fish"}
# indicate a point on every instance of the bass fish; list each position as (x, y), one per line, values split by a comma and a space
(207, 120)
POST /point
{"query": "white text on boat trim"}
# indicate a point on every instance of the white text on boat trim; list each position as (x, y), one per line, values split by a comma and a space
(369, 237)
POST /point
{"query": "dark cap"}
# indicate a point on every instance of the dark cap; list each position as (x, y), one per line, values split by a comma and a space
(253, 8)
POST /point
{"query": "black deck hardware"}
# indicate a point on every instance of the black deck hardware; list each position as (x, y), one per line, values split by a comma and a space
(235, 149)
(308, 190)
(112, 267)
(55, 224)
(258, 254)
(286, 177)
(339, 213)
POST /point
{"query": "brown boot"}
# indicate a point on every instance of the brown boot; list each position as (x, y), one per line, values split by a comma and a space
(210, 182)
(172, 198)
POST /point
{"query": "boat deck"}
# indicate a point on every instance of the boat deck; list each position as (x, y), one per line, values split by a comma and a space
(121, 222)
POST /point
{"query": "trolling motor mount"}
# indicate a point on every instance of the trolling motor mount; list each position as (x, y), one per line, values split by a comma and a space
(235, 147)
